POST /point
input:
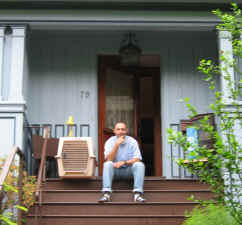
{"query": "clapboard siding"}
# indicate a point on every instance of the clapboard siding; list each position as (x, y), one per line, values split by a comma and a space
(63, 70)
(180, 79)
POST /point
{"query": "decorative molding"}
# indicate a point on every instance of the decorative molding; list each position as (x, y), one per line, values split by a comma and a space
(18, 31)
(12, 107)
(98, 19)
(124, 4)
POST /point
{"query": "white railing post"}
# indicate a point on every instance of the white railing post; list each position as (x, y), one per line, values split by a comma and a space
(226, 49)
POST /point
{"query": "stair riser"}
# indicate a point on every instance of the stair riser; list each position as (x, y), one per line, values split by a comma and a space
(148, 185)
(108, 221)
(124, 197)
(115, 209)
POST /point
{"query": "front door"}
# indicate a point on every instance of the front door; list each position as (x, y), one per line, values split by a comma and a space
(131, 95)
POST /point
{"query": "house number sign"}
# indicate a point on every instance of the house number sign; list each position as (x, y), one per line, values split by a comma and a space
(84, 94)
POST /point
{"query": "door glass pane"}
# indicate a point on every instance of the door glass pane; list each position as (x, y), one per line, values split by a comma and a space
(119, 99)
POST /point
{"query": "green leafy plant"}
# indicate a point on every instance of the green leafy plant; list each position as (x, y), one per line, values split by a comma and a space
(9, 207)
(220, 165)
(210, 215)
(29, 188)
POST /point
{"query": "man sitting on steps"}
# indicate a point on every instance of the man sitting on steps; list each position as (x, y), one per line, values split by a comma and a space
(122, 161)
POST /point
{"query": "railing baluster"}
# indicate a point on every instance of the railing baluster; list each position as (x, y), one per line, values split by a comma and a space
(63, 129)
(41, 174)
(20, 188)
(81, 129)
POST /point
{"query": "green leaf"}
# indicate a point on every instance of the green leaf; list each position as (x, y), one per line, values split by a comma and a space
(8, 187)
(186, 99)
(191, 197)
(22, 208)
(7, 220)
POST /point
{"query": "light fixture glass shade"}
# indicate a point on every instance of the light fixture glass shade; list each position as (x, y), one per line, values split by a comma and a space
(129, 51)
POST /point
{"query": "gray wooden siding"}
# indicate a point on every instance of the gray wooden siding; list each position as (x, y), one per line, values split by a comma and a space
(63, 75)
(180, 79)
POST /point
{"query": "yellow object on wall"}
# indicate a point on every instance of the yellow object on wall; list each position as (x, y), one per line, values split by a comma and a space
(70, 123)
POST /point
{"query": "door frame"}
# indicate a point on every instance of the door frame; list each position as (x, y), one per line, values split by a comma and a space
(104, 61)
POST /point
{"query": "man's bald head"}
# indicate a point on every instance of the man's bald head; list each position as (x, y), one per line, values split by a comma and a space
(120, 129)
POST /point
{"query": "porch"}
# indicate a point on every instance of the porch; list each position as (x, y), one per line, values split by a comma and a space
(65, 71)
(51, 69)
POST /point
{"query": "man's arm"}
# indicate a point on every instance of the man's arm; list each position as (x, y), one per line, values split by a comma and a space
(127, 162)
(111, 156)
(131, 161)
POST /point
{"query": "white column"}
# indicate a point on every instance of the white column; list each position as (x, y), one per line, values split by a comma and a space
(1, 59)
(225, 48)
(17, 64)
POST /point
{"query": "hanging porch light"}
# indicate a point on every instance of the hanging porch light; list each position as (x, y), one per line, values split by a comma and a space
(129, 51)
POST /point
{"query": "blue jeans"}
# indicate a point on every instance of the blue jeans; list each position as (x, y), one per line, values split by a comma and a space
(136, 170)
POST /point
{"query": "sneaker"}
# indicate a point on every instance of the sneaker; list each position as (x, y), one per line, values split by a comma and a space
(105, 198)
(138, 197)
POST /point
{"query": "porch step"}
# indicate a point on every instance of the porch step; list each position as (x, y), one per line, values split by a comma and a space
(108, 220)
(114, 208)
(74, 202)
(151, 183)
(92, 196)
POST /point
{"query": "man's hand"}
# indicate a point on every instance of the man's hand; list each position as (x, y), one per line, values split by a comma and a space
(120, 140)
(118, 164)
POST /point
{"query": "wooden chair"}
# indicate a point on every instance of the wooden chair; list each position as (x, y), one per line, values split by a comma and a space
(52, 146)
(204, 137)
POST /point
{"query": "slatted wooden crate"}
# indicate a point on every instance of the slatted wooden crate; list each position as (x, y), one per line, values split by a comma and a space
(75, 157)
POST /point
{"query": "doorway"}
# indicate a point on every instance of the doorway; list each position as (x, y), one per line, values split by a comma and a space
(131, 95)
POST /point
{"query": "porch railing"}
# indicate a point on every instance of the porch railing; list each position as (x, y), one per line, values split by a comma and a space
(175, 153)
(28, 150)
(60, 130)
(41, 173)
(56, 131)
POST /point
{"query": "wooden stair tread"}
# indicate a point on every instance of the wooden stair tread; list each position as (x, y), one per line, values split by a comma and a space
(108, 220)
(127, 191)
(96, 184)
(112, 216)
(116, 203)
(147, 178)
(115, 209)
(124, 195)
